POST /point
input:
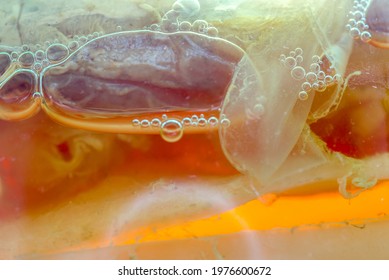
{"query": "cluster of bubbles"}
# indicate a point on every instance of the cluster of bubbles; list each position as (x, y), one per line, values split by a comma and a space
(315, 78)
(193, 121)
(38, 57)
(198, 26)
(172, 130)
(79, 41)
(356, 25)
(171, 21)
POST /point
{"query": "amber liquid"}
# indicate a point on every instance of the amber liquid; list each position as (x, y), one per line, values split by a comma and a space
(44, 163)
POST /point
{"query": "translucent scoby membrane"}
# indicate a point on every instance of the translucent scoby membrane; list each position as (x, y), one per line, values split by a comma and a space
(268, 137)
(187, 129)
(131, 73)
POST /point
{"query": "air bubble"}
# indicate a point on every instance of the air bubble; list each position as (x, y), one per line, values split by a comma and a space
(164, 117)
(45, 63)
(212, 31)
(37, 66)
(213, 121)
(36, 95)
(14, 55)
(290, 62)
(144, 123)
(358, 15)
(83, 40)
(259, 109)
(321, 75)
(315, 68)
(298, 73)
(299, 59)
(321, 86)
(316, 59)
(338, 79)
(311, 77)
(73, 45)
(155, 122)
(154, 27)
(171, 131)
(26, 59)
(95, 34)
(25, 48)
(135, 122)
(360, 25)
(186, 121)
(365, 36)
(299, 51)
(202, 122)
(352, 22)
(292, 53)
(225, 122)
(200, 26)
(40, 55)
(354, 32)
(57, 52)
(328, 79)
(306, 86)
(303, 95)
(185, 26)
(195, 118)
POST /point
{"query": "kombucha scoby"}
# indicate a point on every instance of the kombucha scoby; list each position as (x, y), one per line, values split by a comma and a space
(199, 126)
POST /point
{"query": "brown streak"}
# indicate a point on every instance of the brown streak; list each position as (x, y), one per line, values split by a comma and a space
(18, 21)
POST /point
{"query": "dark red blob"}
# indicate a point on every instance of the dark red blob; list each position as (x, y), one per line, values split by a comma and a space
(360, 127)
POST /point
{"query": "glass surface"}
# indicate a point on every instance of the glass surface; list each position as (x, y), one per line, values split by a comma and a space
(232, 129)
